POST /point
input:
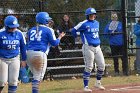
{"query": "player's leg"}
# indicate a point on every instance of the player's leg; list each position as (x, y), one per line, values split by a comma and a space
(30, 55)
(99, 59)
(13, 73)
(38, 66)
(3, 74)
(88, 60)
(38, 74)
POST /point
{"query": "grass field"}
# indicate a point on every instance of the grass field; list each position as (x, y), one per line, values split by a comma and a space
(59, 86)
(63, 85)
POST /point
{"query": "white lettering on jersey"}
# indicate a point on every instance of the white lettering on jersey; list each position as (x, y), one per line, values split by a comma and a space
(94, 29)
(11, 42)
(34, 35)
(88, 28)
(11, 46)
(4, 37)
(95, 35)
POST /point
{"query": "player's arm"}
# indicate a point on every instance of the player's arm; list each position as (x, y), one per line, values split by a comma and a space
(23, 47)
(76, 30)
(106, 31)
(73, 32)
(52, 38)
(23, 50)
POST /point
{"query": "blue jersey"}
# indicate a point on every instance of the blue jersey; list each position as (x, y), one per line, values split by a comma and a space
(40, 38)
(12, 43)
(88, 31)
(114, 39)
(137, 33)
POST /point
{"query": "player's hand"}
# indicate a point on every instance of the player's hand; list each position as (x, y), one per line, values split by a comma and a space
(112, 33)
(61, 35)
(23, 63)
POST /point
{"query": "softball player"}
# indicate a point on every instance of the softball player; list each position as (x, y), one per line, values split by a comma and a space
(39, 40)
(12, 43)
(89, 29)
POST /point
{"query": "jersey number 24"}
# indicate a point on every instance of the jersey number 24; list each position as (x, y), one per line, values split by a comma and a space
(35, 35)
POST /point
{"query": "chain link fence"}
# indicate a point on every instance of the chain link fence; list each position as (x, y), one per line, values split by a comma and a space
(67, 58)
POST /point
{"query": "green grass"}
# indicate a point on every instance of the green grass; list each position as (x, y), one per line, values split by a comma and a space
(59, 86)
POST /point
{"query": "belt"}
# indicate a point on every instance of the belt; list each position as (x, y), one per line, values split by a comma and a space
(93, 45)
(37, 50)
(34, 50)
(9, 57)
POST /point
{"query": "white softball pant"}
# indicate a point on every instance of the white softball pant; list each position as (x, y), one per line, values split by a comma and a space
(92, 54)
(37, 62)
(9, 71)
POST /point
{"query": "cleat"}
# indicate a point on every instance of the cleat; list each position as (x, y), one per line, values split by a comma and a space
(86, 89)
(99, 86)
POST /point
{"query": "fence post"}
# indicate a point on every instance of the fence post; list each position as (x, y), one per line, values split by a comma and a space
(125, 54)
(41, 5)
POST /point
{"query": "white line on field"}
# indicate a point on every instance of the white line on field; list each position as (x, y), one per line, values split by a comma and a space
(126, 88)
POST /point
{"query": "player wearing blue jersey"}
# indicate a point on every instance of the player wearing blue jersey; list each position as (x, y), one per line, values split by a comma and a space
(40, 38)
(89, 29)
(12, 43)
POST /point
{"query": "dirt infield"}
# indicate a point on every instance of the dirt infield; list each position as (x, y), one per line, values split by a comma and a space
(128, 88)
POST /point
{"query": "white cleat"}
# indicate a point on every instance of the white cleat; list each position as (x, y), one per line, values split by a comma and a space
(99, 86)
(86, 89)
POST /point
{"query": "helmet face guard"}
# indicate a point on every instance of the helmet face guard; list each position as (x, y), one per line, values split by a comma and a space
(11, 22)
(42, 18)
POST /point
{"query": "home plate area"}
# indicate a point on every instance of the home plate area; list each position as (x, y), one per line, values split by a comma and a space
(128, 88)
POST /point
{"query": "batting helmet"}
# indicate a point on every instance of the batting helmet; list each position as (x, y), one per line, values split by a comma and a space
(11, 22)
(42, 18)
(90, 11)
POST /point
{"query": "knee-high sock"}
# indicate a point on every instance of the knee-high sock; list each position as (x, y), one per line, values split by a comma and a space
(99, 74)
(86, 76)
(35, 86)
(12, 89)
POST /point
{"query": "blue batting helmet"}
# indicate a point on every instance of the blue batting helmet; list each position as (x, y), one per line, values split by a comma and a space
(90, 11)
(11, 22)
(42, 18)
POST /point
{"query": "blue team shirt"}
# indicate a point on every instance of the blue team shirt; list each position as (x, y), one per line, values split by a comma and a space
(114, 39)
(89, 30)
(41, 39)
(137, 33)
(12, 44)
